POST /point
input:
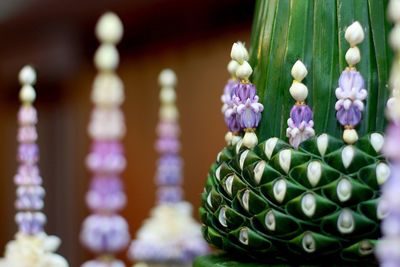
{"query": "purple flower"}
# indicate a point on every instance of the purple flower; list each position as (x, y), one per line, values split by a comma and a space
(391, 147)
(30, 222)
(301, 113)
(241, 108)
(232, 122)
(28, 175)
(169, 171)
(28, 153)
(229, 91)
(300, 125)
(30, 198)
(168, 145)
(249, 114)
(169, 194)
(168, 129)
(350, 80)
(105, 233)
(246, 91)
(106, 194)
(106, 157)
(350, 95)
(351, 116)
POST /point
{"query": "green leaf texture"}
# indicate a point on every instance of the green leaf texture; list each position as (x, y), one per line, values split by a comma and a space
(313, 31)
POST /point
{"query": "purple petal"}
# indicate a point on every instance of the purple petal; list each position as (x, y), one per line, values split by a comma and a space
(301, 113)
(350, 117)
(350, 79)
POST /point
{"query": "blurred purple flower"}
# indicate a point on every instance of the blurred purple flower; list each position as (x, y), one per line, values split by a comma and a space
(391, 147)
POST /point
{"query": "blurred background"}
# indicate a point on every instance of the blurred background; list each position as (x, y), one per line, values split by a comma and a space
(57, 38)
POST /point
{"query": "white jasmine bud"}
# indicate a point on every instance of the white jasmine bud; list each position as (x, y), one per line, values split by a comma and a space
(353, 56)
(299, 71)
(27, 75)
(394, 11)
(167, 78)
(239, 52)
(394, 38)
(298, 91)
(232, 67)
(350, 136)
(109, 28)
(354, 34)
(106, 57)
(244, 71)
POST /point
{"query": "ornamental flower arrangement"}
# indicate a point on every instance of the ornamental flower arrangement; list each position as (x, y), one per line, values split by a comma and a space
(307, 190)
(32, 247)
(170, 236)
(105, 232)
(388, 247)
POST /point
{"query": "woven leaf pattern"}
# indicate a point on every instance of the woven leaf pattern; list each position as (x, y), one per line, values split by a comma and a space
(277, 203)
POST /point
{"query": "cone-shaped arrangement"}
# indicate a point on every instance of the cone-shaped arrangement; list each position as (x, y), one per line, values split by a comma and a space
(388, 250)
(31, 247)
(105, 232)
(311, 200)
(170, 237)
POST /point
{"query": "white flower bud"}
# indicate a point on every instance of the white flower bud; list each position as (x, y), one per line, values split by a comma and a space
(298, 91)
(108, 90)
(239, 52)
(169, 113)
(236, 139)
(167, 95)
(299, 71)
(106, 57)
(394, 80)
(244, 71)
(109, 28)
(354, 34)
(232, 67)
(350, 136)
(27, 75)
(394, 11)
(228, 138)
(27, 94)
(394, 38)
(353, 56)
(250, 140)
(167, 78)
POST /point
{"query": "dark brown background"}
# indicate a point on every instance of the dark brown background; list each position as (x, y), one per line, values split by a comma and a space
(192, 37)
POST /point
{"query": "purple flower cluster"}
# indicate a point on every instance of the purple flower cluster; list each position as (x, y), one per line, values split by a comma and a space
(30, 192)
(300, 125)
(388, 247)
(105, 234)
(350, 95)
(241, 108)
(169, 166)
(105, 231)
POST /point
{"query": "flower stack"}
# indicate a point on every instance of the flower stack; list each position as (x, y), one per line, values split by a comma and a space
(170, 237)
(31, 247)
(105, 232)
(388, 250)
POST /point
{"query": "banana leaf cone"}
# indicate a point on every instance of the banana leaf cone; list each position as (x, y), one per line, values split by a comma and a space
(317, 205)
